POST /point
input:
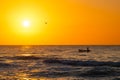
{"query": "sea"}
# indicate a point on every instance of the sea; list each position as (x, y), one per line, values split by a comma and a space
(59, 62)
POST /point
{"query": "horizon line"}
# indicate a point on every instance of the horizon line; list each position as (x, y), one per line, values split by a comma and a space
(67, 45)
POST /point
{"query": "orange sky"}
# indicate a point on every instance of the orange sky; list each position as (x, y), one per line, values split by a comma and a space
(69, 22)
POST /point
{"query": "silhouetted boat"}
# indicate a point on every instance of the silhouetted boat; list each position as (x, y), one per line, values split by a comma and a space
(83, 50)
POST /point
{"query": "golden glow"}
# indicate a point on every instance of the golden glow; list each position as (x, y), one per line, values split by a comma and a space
(78, 22)
(26, 23)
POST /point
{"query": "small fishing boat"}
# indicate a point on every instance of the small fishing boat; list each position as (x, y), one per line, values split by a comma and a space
(83, 50)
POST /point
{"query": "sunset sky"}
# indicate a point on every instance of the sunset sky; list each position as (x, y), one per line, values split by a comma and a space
(60, 22)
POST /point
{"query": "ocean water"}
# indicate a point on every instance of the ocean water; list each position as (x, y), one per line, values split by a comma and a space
(59, 63)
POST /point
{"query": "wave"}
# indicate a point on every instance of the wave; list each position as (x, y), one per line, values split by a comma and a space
(7, 65)
(91, 72)
(26, 57)
(81, 63)
(30, 58)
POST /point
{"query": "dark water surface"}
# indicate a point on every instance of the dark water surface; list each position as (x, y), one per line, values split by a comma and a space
(59, 63)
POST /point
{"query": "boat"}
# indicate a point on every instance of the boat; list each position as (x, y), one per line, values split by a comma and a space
(84, 50)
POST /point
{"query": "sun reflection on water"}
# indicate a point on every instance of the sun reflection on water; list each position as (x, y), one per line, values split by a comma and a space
(26, 54)
(24, 48)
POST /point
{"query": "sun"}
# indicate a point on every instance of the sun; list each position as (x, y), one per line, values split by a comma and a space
(26, 24)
